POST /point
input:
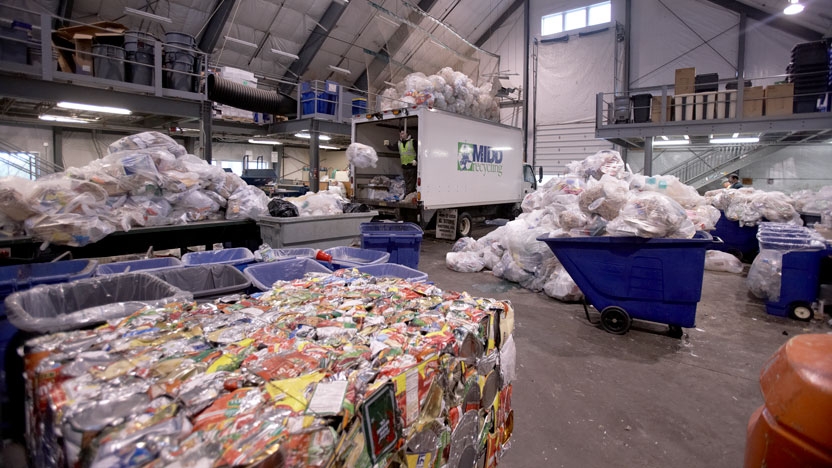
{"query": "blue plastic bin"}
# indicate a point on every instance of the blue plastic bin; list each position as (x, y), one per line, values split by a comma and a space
(238, 256)
(800, 268)
(658, 280)
(147, 264)
(351, 257)
(359, 106)
(403, 241)
(264, 275)
(393, 270)
(22, 277)
(736, 240)
(206, 282)
(286, 254)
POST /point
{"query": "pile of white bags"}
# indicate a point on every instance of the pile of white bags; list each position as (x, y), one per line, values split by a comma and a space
(748, 206)
(448, 90)
(147, 179)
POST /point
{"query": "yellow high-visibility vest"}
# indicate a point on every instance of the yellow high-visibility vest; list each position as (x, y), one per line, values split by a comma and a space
(407, 152)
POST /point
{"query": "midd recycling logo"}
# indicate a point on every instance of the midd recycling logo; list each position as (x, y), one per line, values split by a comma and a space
(478, 158)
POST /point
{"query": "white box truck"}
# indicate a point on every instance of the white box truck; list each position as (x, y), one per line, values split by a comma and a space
(467, 169)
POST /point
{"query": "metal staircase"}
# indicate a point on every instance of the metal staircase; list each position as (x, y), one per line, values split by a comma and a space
(715, 162)
(23, 163)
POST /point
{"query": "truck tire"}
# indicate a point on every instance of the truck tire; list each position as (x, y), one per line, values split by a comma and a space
(464, 225)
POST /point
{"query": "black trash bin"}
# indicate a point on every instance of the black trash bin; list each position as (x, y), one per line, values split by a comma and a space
(111, 65)
(641, 107)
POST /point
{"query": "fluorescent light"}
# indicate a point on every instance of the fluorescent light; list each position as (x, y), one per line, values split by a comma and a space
(285, 54)
(91, 108)
(146, 15)
(735, 135)
(664, 138)
(794, 8)
(307, 136)
(501, 148)
(671, 142)
(241, 42)
(732, 141)
(264, 142)
(686, 137)
(60, 118)
(340, 70)
(328, 147)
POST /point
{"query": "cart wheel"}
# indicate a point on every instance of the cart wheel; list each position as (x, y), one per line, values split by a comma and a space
(615, 320)
(801, 311)
(675, 331)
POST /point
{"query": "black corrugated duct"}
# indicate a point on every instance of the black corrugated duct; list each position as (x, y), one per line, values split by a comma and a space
(250, 99)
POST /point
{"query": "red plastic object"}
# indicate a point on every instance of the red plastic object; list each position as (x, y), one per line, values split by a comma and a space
(793, 428)
(323, 256)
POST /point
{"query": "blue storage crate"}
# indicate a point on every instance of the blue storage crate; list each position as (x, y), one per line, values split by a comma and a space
(206, 282)
(264, 275)
(147, 264)
(403, 241)
(351, 257)
(658, 280)
(238, 256)
(22, 277)
(393, 270)
(736, 240)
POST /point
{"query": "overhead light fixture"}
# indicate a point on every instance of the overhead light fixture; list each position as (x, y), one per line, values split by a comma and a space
(733, 141)
(735, 135)
(308, 136)
(328, 147)
(340, 70)
(285, 54)
(664, 138)
(264, 142)
(794, 8)
(241, 42)
(61, 118)
(671, 142)
(92, 108)
(686, 137)
(146, 15)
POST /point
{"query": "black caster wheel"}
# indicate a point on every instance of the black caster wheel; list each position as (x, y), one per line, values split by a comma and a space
(675, 331)
(801, 311)
(615, 320)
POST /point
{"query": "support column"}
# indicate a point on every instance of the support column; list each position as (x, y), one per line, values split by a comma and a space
(314, 158)
(205, 134)
(648, 156)
(741, 64)
(58, 146)
(526, 34)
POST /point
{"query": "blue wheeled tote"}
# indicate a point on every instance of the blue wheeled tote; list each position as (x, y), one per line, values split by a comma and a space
(264, 275)
(799, 271)
(402, 241)
(625, 278)
(740, 241)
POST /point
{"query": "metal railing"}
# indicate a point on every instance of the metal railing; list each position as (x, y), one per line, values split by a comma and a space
(711, 161)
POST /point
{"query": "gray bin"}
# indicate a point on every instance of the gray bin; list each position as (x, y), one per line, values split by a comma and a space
(319, 232)
(111, 66)
(206, 282)
(70, 306)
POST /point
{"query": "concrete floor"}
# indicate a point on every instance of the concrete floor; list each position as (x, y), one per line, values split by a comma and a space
(587, 398)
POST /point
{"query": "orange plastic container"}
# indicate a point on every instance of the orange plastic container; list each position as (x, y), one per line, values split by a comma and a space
(794, 425)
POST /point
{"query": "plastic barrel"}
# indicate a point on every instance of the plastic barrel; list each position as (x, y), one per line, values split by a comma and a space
(180, 60)
(139, 47)
(641, 107)
(111, 66)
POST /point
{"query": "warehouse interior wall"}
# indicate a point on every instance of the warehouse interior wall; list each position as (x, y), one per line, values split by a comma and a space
(791, 168)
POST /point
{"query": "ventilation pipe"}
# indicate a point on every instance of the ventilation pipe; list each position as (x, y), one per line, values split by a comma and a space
(250, 99)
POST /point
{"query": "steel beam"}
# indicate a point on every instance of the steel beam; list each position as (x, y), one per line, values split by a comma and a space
(58, 146)
(499, 22)
(775, 21)
(314, 158)
(39, 90)
(313, 43)
(324, 126)
(383, 56)
(809, 122)
(213, 28)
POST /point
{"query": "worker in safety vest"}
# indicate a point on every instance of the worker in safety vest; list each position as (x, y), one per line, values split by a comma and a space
(407, 154)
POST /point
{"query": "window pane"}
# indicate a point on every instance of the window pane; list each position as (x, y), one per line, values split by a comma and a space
(600, 14)
(575, 19)
(551, 24)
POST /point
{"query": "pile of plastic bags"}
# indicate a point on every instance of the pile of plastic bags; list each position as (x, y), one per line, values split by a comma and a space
(319, 204)
(600, 198)
(337, 369)
(147, 179)
(749, 207)
(386, 188)
(448, 90)
(362, 156)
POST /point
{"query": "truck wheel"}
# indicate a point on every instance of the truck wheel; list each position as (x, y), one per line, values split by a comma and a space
(464, 225)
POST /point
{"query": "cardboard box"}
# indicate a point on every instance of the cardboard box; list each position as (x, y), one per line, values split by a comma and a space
(347, 189)
(685, 81)
(656, 109)
(81, 37)
(779, 99)
(82, 57)
(683, 107)
(752, 101)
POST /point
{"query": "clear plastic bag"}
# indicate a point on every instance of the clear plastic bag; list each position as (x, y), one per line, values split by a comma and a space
(464, 262)
(197, 205)
(147, 140)
(247, 203)
(14, 195)
(764, 275)
(76, 230)
(604, 197)
(722, 261)
(603, 162)
(562, 287)
(704, 217)
(319, 204)
(650, 214)
(669, 185)
(362, 156)
(466, 244)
